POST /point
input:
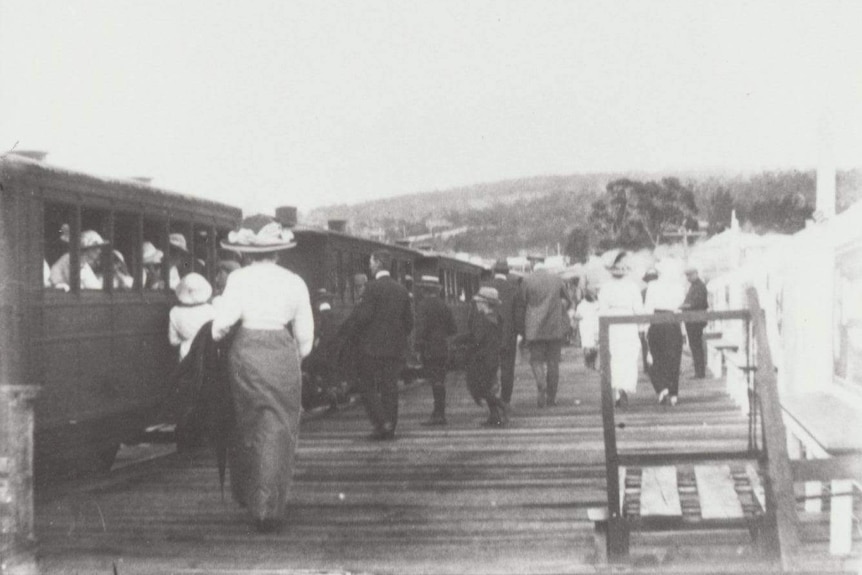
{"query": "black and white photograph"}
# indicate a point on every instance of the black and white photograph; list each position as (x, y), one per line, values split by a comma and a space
(318, 287)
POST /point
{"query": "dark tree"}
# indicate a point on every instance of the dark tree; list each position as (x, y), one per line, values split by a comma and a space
(786, 214)
(578, 245)
(720, 210)
(635, 215)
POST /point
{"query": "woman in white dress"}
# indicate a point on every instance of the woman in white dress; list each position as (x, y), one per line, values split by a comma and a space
(266, 300)
(622, 296)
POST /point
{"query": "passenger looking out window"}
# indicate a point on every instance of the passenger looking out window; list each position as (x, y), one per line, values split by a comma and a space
(91, 251)
(152, 262)
(122, 279)
(179, 260)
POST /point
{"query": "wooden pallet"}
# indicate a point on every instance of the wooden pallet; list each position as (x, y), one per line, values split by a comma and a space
(687, 496)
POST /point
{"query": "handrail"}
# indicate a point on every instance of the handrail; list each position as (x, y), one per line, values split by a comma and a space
(617, 538)
(780, 515)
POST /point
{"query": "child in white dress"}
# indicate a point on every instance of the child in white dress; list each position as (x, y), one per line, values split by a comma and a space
(193, 311)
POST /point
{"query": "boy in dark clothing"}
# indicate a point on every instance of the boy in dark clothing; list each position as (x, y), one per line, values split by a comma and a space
(320, 384)
(486, 328)
(434, 323)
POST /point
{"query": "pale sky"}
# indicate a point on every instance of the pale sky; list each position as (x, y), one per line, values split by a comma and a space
(261, 103)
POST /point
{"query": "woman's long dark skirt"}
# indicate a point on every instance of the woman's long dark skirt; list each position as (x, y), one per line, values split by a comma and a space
(665, 344)
(267, 390)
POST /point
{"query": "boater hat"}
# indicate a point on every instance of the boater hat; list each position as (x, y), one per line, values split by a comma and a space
(259, 234)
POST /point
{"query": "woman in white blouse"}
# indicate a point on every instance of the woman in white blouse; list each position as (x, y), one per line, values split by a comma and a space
(622, 296)
(665, 295)
(264, 362)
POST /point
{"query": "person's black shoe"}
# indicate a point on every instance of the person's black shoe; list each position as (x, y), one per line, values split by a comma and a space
(385, 433)
(623, 400)
(492, 423)
(435, 419)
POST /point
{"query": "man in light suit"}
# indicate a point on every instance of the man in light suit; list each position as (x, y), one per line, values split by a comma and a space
(542, 303)
(381, 323)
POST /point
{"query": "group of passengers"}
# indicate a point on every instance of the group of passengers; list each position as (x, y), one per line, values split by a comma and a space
(92, 263)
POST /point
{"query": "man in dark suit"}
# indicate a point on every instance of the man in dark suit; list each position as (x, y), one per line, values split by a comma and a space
(381, 323)
(507, 288)
(434, 324)
(696, 300)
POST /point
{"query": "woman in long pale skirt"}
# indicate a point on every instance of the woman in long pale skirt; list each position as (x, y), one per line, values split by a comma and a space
(622, 296)
(264, 363)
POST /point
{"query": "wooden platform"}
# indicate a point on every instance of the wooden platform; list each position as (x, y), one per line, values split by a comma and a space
(460, 499)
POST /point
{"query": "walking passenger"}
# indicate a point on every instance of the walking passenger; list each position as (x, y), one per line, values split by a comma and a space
(588, 326)
(507, 288)
(486, 328)
(650, 275)
(542, 303)
(696, 300)
(621, 296)
(380, 324)
(434, 323)
(665, 295)
(264, 361)
(193, 311)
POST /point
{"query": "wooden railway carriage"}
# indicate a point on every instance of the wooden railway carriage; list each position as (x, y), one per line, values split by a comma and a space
(459, 279)
(327, 259)
(100, 357)
(330, 258)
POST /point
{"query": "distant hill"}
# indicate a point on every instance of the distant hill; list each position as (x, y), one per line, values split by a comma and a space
(533, 215)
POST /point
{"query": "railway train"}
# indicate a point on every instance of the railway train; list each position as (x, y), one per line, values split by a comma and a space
(100, 356)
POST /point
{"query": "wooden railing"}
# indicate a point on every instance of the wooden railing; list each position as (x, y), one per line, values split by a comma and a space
(778, 528)
(616, 527)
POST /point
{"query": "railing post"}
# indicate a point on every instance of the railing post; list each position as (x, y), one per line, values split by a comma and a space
(16, 400)
(617, 536)
(781, 520)
(16, 479)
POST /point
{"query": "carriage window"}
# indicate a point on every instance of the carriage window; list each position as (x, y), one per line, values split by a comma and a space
(125, 256)
(57, 232)
(153, 250)
(180, 258)
(847, 318)
(203, 251)
(81, 268)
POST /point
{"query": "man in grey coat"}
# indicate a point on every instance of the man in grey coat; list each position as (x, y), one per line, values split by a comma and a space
(542, 303)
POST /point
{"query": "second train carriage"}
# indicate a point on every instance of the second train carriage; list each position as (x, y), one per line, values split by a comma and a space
(98, 352)
(329, 259)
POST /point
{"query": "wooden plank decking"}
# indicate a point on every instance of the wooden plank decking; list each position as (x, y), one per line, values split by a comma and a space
(460, 499)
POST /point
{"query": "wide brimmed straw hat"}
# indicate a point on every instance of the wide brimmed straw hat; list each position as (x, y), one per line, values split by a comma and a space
(259, 234)
(618, 267)
(194, 289)
(488, 294)
(92, 239)
(178, 241)
(152, 255)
